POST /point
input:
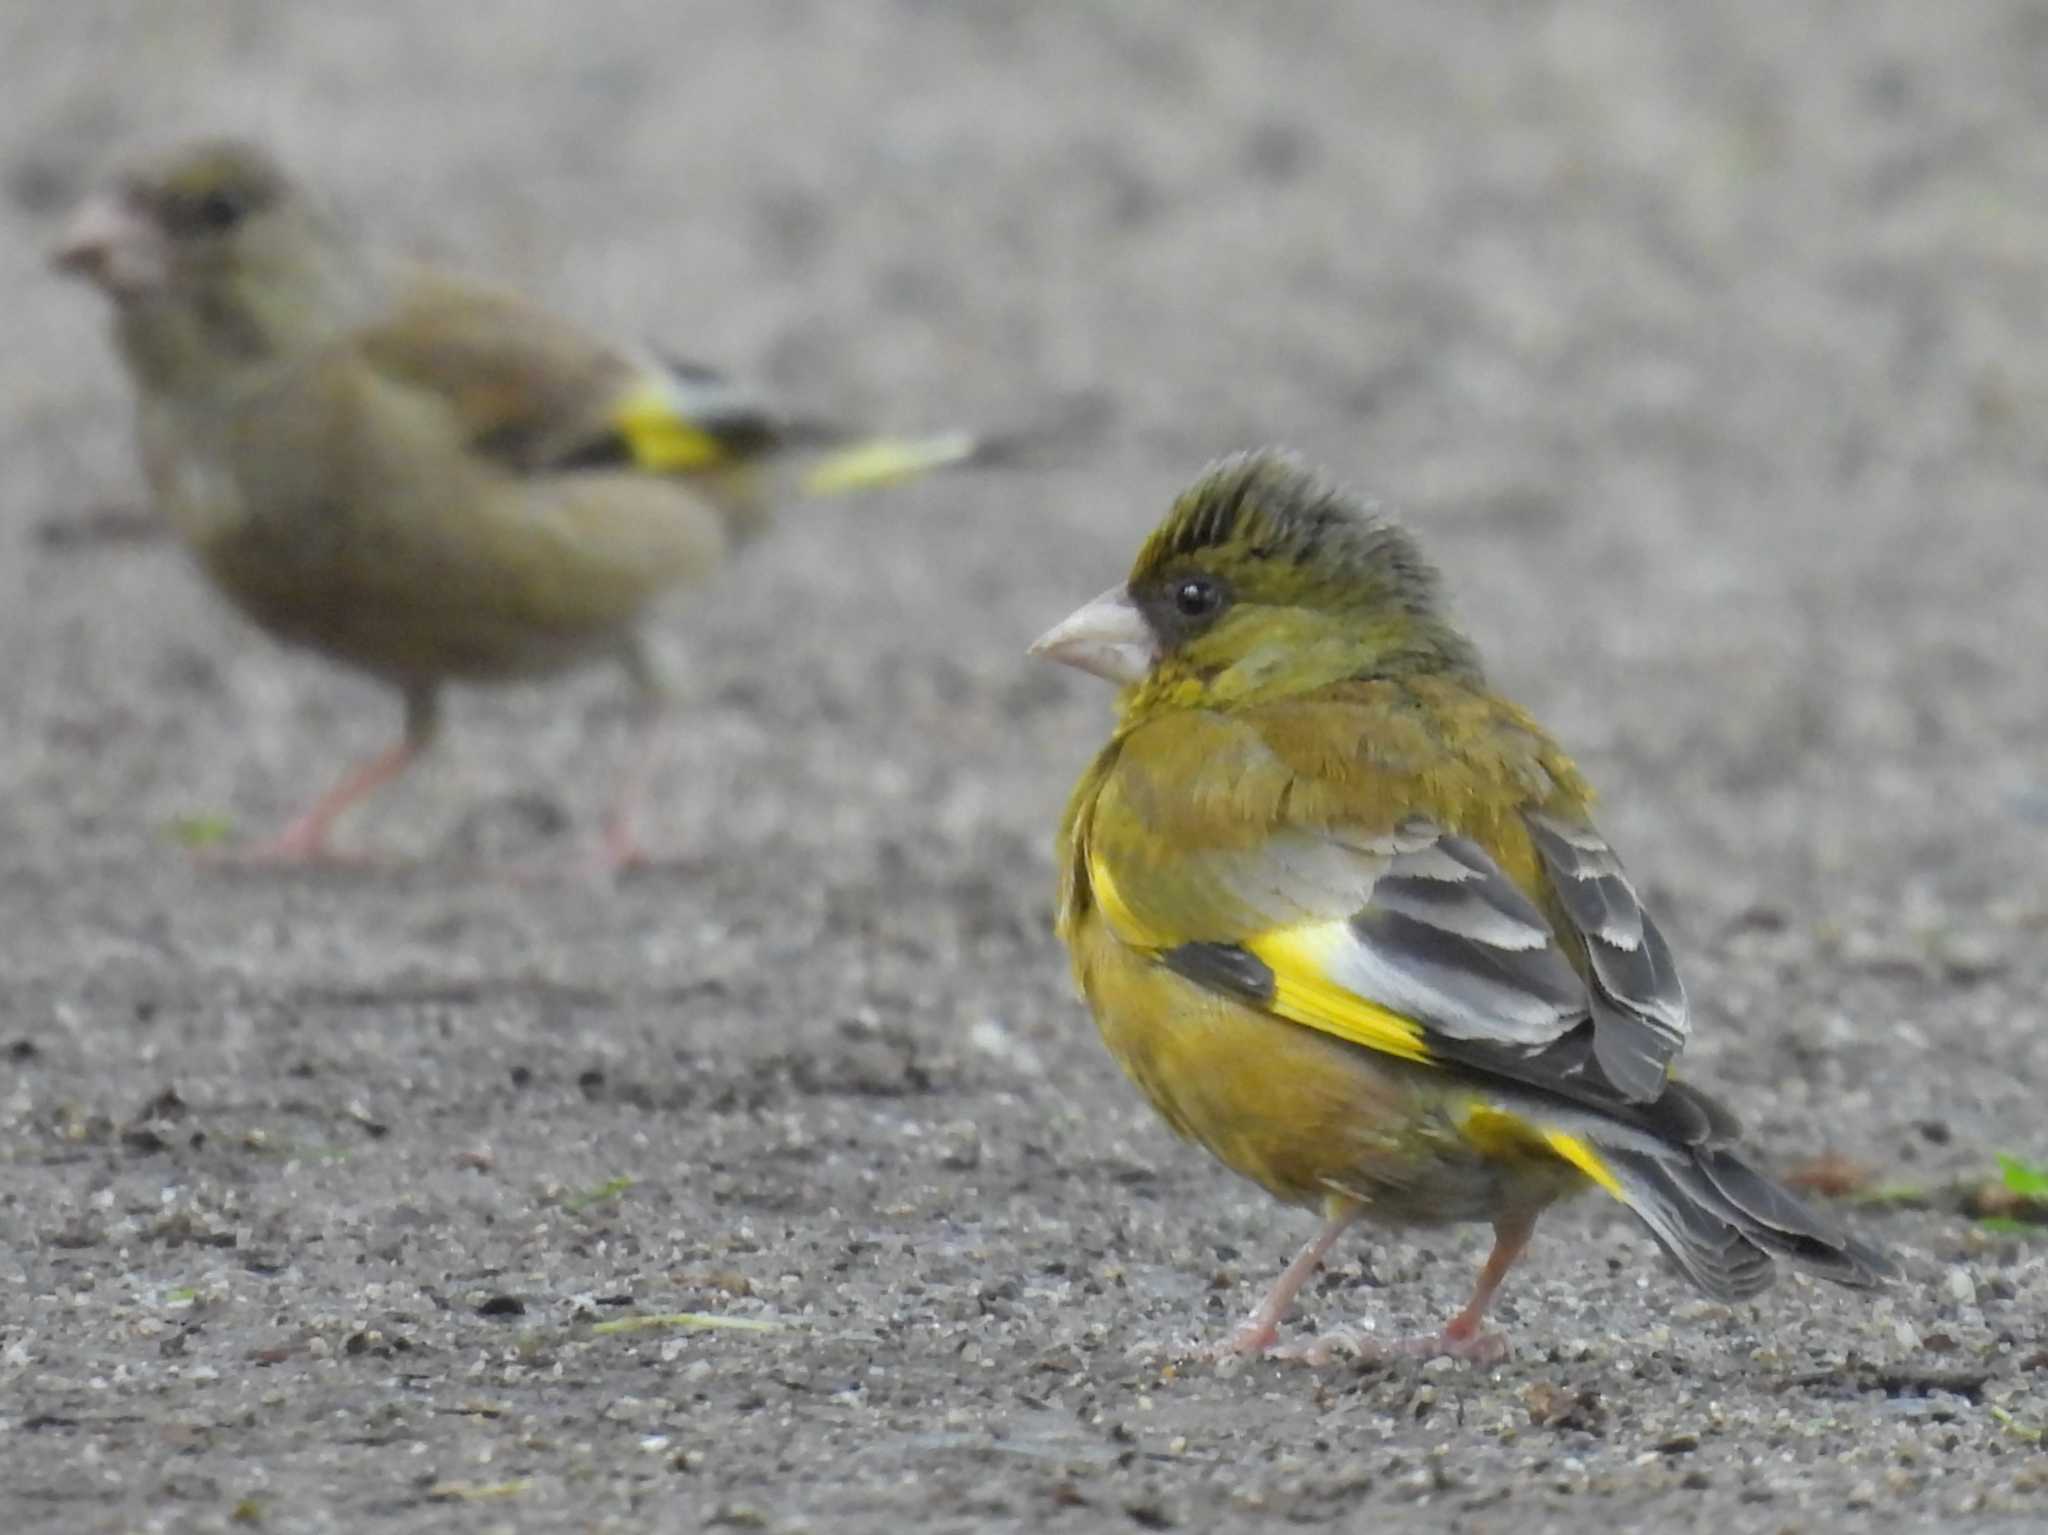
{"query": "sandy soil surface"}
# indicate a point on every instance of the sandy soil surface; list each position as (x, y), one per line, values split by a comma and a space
(1707, 347)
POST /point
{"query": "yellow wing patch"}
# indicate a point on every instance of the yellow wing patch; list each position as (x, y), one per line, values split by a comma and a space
(661, 438)
(1302, 992)
(664, 440)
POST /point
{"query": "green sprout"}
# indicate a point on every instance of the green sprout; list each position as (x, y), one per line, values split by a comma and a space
(207, 829)
(604, 1193)
(2023, 1178)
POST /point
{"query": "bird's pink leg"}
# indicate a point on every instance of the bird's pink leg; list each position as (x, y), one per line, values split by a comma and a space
(619, 848)
(1461, 1338)
(1261, 1330)
(305, 839)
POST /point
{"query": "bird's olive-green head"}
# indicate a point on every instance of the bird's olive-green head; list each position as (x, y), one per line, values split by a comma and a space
(1265, 580)
(213, 259)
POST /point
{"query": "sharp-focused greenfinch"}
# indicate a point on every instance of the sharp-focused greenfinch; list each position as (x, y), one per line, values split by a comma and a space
(1342, 914)
(418, 475)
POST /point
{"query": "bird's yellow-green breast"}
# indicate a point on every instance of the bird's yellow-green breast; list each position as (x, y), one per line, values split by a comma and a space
(1293, 1107)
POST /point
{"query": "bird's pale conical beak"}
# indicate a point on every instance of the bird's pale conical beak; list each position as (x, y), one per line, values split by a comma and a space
(1108, 637)
(110, 244)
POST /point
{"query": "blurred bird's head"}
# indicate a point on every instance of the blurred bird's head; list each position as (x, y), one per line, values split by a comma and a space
(210, 247)
(1264, 580)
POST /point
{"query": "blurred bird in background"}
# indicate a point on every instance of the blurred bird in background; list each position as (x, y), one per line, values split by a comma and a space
(1342, 913)
(420, 476)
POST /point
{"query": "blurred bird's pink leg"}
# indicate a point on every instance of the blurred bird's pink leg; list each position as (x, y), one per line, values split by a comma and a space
(620, 847)
(1261, 1330)
(305, 839)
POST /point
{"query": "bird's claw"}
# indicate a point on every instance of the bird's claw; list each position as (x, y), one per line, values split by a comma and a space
(1477, 1348)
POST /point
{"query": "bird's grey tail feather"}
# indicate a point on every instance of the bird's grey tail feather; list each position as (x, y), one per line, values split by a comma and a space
(1715, 1252)
(1722, 1220)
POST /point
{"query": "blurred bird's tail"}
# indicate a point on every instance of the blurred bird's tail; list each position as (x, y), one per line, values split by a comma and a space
(879, 461)
(676, 417)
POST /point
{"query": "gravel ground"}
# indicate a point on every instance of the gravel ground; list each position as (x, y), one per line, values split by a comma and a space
(1706, 348)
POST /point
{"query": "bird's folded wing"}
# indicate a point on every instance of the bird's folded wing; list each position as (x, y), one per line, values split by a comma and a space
(1407, 940)
(1638, 1002)
(538, 395)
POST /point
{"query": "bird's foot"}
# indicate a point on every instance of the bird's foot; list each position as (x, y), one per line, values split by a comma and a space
(1476, 1347)
(617, 853)
(1326, 1348)
(1253, 1338)
(1479, 1348)
(1259, 1338)
(296, 846)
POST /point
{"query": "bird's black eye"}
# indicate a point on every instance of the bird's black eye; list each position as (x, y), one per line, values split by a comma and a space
(218, 212)
(1197, 597)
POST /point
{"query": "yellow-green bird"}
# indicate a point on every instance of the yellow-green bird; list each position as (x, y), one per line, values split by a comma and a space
(1343, 915)
(421, 476)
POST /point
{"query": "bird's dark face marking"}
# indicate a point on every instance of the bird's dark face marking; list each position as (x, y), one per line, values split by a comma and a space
(1181, 604)
(185, 224)
(204, 195)
(1263, 564)
(1262, 528)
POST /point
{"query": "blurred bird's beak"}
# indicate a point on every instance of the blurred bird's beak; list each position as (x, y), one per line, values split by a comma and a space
(1108, 637)
(110, 244)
